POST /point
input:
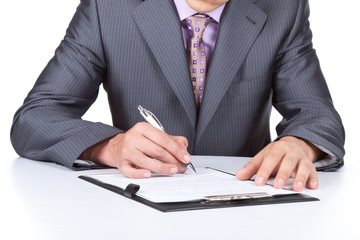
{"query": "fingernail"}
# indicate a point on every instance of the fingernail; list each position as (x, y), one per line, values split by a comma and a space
(260, 180)
(314, 184)
(300, 185)
(147, 174)
(173, 170)
(281, 183)
(183, 169)
(187, 158)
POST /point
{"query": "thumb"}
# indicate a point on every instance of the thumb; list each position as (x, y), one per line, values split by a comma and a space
(251, 168)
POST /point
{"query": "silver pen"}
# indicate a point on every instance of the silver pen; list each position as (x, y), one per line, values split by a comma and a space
(152, 119)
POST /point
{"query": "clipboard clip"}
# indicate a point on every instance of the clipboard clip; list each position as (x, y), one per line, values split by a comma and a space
(235, 197)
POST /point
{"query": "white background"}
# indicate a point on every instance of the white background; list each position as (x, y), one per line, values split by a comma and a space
(31, 30)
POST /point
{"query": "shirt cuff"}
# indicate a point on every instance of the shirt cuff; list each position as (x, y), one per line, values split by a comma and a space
(80, 164)
(328, 162)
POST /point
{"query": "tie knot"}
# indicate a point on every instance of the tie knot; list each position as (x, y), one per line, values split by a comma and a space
(197, 24)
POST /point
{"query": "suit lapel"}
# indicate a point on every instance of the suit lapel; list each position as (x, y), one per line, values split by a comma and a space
(241, 23)
(159, 23)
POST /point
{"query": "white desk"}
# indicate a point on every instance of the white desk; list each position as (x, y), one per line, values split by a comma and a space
(47, 201)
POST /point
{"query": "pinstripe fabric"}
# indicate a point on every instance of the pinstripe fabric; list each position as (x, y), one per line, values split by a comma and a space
(263, 57)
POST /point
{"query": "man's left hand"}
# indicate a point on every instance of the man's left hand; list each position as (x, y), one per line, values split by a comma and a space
(285, 158)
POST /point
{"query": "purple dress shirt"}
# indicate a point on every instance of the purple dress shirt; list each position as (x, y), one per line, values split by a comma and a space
(211, 31)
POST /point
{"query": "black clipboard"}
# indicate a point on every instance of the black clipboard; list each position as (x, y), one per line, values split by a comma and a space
(131, 190)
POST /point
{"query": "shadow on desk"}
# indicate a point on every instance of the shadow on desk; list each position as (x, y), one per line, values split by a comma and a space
(61, 206)
(57, 201)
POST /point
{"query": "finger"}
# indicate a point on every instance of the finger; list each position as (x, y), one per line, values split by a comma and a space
(140, 160)
(289, 163)
(313, 181)
(153, 150)
(167, 142)
(182, 141)
(144, 162)
(271, 159)
(302, 176)
(129, 170)
(251, 168)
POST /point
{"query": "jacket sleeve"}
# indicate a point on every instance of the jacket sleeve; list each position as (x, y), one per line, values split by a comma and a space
(301, 94)
(48, 126)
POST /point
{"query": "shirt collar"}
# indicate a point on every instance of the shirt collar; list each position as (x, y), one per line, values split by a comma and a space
(184, 11)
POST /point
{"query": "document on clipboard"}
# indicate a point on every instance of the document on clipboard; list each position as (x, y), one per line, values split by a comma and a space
(209, 188)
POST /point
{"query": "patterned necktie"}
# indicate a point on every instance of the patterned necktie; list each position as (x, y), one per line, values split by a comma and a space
(196, 54)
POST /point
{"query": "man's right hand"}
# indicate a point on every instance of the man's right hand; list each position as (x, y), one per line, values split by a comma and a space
(141, 150)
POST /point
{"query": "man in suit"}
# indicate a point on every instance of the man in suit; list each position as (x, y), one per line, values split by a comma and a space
(258, 54)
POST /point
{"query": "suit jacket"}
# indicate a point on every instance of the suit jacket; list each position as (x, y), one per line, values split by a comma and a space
(263, 57)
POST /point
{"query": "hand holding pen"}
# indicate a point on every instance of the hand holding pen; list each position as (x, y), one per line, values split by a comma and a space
(152, 120)
(141, 151)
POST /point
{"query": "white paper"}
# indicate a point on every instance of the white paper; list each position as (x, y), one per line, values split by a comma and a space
(188, 186)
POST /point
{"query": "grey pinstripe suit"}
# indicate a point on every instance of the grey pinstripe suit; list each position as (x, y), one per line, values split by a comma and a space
(263, 57)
